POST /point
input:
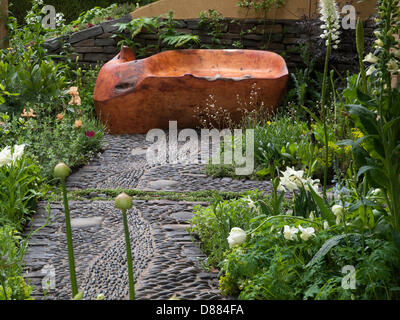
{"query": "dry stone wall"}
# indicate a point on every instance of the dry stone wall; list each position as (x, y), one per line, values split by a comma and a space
(98, 44)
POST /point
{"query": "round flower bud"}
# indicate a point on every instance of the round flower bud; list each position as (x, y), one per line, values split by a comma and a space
(61, 170)
(123, 201)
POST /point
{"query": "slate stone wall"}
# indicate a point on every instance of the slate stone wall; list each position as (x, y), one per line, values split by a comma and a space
(97, 44)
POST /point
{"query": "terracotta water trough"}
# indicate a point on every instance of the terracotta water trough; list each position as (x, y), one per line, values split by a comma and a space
(135, 96)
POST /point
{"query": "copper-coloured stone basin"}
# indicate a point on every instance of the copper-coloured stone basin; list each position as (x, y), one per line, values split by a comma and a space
(135, 96)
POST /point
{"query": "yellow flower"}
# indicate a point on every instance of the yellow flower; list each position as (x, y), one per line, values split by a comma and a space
(269, 123)
(356, 133)
(78, 124)
(347, 149)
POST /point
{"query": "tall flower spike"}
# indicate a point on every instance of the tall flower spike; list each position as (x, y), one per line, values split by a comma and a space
(330, 18)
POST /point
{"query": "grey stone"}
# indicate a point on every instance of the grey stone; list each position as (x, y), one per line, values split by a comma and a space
(182, 215)
(94, 57)
(109, 25)
(162, 184)
(86, 222)
(54, 44)
(86, 34)
(88, 49)
(104, 42)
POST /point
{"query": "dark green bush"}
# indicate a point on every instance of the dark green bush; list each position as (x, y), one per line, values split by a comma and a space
(71, 9)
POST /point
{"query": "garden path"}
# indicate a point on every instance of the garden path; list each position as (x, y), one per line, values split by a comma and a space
(167, 260)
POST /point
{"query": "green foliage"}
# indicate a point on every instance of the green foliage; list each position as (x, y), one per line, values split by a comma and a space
(377, 115)
(213, 224)
(34, 77)
(27, 71)
(19, 188)
(51, 141)
(268, 266)
(261, 7)
(164, 28)
(214, 22)
(71, 9)
(12, 285)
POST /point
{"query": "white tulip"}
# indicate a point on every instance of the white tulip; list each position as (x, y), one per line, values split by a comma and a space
(306, 233)
(236, 237)
(18, 152)
(289, 233)
(5, 156)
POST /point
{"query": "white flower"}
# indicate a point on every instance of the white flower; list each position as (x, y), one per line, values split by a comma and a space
(306, 233)
(250, 202)
(326, 225)
(330, 18)
(370, 58)
(236, 237)
(18, 152)
(5, 156)
(289, 233)
(292, 179)
(313, 183)
(312, 215)
(379, 43)
(392, 65)
(370, 70)
(337, 210)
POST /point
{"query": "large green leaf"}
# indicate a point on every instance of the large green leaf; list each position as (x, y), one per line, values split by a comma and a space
(323, 207)
(366, 117)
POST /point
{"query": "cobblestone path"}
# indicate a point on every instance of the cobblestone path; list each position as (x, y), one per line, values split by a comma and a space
(167, 261)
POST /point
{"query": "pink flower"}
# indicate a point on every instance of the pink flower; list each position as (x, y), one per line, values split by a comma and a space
(109, 18)
(89, 134)
(90, 25)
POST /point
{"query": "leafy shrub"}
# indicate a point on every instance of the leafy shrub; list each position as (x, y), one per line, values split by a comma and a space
(19, 187)
(270, 267)
(27, 71)
(213, 224)
(12, 285)
(51, 140)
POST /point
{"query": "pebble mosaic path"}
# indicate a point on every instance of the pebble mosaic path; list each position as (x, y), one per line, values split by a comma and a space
(167, 260)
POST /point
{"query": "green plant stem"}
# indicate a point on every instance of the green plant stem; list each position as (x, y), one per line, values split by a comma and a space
(324, 113)
(129, 257)
(71, 259)
(4, 287)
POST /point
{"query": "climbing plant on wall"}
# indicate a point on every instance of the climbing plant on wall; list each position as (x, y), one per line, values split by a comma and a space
(261, 7)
